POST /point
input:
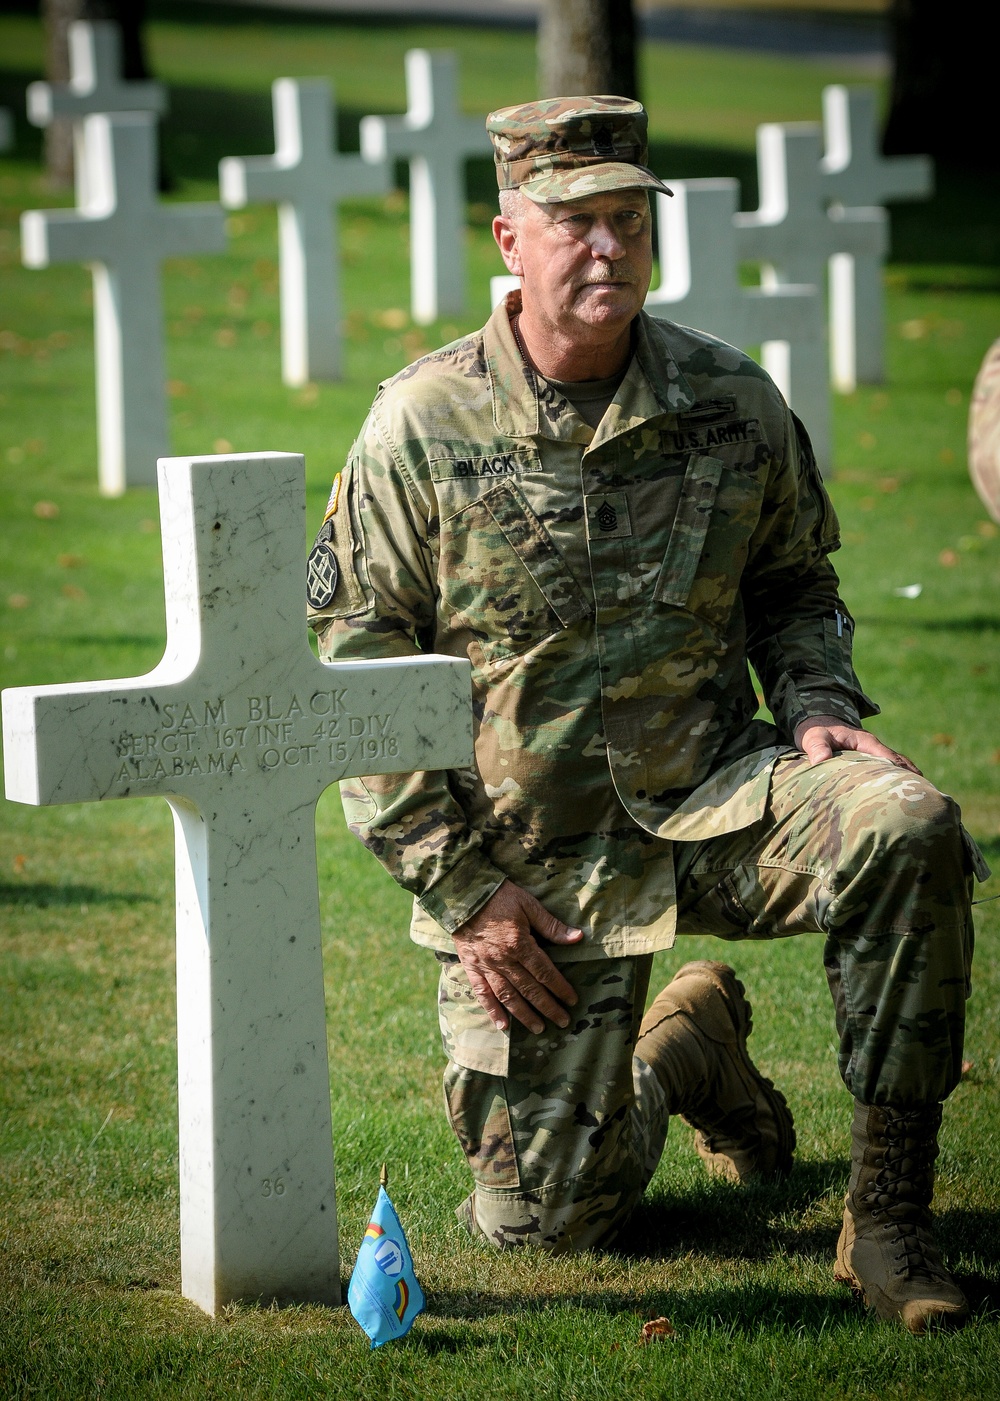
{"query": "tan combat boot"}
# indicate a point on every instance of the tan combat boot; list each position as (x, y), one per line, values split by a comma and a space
(694, 1038)
(886, 1252)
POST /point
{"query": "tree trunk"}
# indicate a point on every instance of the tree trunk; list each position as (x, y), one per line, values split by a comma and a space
(587, 48)
(943, 85)
(58, 15)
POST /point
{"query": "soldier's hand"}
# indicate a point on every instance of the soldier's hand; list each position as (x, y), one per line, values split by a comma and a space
(821, 736)
(508, 972)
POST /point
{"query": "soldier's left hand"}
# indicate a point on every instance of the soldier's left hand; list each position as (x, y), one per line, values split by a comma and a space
(819, 737)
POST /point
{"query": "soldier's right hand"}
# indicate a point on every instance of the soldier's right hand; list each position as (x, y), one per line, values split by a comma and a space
(510, 975)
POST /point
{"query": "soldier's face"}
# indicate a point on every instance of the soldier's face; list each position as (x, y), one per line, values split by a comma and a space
(585, 265)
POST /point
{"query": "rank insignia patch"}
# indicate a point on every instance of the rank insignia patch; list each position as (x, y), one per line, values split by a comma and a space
(322, 571)
(608, 516)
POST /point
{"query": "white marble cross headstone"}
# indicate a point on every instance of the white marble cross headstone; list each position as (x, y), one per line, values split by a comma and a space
(700, 287)
(793, 235)
(95, 85)
(500, 285)
(856, 175)
(308, 178)
(124, 232)
(437, 140)
(241, 729)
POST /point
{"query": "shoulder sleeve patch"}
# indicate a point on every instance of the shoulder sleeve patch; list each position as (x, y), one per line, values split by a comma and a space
(332, 586)
(322, 570)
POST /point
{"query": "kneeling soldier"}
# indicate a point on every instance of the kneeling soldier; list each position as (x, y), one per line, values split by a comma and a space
(613, 518)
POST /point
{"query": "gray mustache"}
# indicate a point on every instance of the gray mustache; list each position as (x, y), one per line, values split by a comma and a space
(611, 274)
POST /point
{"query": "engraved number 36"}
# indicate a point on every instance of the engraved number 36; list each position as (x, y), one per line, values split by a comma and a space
(273, 1187)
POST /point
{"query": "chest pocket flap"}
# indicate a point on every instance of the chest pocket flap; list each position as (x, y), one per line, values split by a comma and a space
(687, 536)
(531, 542)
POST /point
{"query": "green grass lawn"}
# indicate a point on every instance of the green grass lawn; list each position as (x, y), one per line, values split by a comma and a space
(89, 1265)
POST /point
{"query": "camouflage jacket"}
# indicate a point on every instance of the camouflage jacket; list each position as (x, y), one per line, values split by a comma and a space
(609, 588)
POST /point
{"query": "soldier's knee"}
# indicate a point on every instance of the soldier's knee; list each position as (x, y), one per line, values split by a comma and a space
(555, 1219)
(921, 824)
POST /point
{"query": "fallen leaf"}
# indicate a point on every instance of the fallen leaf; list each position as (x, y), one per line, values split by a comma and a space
(948, 558)
(19, 863)
(945, 741)
(414, 344)
(394, 318)
(654, 1329)
(71, 561)
(45, 510)
(222, 445)
(18, 600)
(967, 1065)
(73, 591)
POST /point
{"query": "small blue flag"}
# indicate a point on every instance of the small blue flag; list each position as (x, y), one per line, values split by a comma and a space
(384, 1295)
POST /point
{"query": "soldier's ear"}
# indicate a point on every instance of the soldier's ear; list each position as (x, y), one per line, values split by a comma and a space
(505, 233)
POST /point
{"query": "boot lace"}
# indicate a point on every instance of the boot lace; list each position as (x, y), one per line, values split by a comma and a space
(902, 1189)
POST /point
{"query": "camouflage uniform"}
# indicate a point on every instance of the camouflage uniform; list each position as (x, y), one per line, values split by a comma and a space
(984, 432)
(609, 587)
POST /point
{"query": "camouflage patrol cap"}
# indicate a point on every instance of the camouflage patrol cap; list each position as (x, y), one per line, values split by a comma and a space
(566, 148)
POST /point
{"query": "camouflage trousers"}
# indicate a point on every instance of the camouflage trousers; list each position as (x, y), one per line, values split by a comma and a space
(563, 1130)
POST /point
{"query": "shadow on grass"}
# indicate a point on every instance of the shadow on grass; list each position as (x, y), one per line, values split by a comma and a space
(753, 1222)
(746, 1309)
(42, 894)
(983, 1295)
(437, 1342)
(975, 622)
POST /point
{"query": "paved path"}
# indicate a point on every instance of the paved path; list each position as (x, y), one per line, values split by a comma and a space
(863, 40)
